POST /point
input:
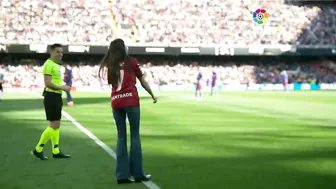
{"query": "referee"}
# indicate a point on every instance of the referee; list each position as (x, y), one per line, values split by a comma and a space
(53, 80)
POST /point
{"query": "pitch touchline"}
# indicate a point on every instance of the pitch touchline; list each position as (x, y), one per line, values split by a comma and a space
(149, 184)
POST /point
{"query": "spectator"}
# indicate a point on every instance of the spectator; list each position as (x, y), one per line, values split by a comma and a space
(181, 22)
(184, 73)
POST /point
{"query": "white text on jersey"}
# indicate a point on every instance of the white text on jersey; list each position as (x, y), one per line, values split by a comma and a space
(122, 96)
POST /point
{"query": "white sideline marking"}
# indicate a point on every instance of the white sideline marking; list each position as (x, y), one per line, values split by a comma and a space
(149, 184)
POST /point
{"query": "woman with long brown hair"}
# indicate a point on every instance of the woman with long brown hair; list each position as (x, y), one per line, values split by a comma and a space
(122, 72)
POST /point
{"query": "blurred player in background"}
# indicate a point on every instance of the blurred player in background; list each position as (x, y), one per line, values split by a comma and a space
(284, 77)
(248, 84)
(53, 80)
(68, 81)
(1, 82)
(122, 73)
(199, 84)
(214, 83)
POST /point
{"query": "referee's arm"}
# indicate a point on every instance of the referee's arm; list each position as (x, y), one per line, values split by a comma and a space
(49, 84)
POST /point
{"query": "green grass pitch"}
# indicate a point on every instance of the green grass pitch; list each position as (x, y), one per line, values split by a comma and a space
(237, 140)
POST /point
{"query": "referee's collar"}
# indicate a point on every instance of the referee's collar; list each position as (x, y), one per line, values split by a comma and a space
(60, 63)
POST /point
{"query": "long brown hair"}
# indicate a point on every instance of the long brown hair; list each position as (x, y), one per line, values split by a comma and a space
(112, 59)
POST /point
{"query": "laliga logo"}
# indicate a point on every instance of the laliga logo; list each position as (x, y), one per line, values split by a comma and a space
(260, 16)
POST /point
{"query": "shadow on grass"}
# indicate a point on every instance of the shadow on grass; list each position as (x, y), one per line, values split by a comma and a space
(90, 167)
(256, 172)
(258, 166)
(238, 165)
(8, 105)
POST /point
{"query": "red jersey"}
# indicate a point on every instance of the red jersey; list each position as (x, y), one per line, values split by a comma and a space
(125, 94)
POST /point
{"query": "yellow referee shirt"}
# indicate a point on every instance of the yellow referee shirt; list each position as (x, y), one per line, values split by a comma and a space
(54, 70)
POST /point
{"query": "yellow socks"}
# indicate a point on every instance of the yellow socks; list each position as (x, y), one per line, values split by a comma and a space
(44, 139)
(49, 133)
(55, 141)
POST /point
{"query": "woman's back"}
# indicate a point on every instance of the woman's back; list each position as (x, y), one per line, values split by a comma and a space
(124, 93)
(122, 72)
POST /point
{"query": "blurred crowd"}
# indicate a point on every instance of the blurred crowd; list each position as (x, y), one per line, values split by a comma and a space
(48, 21)
(30, 75)
(242, 73)
(228, 22)
(161, 22)
(183, 73)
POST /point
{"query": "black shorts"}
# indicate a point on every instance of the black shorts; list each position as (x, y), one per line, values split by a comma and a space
(53, 106)
(1, 87)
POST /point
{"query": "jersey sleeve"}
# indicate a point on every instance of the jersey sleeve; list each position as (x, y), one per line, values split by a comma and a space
(136, 68)
(47, 69)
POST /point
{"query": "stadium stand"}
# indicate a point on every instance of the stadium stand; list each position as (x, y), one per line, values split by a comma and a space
(149, 22)
(25, 76)
(37, 21)
(162, 22)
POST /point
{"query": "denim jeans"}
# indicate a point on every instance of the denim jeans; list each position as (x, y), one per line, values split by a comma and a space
(133, 166)
(68, 95)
